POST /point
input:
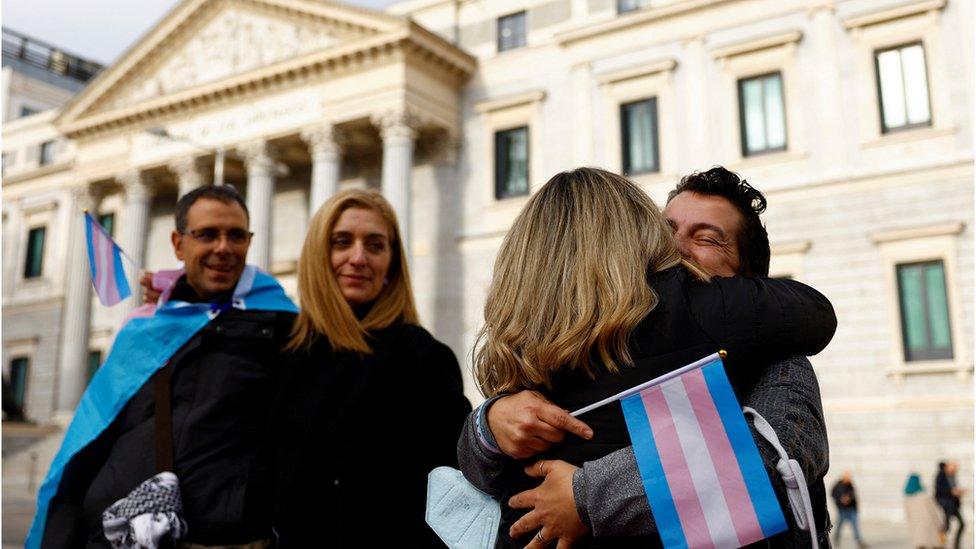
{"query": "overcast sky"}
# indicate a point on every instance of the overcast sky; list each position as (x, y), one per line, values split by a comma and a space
(99, 30)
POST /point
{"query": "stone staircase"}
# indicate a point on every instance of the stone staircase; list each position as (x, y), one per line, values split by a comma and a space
(27, 453)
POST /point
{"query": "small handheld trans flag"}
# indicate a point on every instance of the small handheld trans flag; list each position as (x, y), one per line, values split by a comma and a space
(105, 261)
(705, 482)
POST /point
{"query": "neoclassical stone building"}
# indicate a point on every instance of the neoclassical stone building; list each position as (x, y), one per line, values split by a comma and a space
(854, 116)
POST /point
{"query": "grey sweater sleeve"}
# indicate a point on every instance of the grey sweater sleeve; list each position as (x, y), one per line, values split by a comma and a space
(479, 464)
(609, 492)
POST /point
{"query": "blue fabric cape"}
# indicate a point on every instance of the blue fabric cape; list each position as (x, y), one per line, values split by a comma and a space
(142, 347)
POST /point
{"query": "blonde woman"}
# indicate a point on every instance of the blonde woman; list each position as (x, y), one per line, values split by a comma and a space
(590, 296)
(370, 402)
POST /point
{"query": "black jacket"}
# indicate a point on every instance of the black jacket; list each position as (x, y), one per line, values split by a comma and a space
(844, 495)
(758, 321)
(222, 389)
(359, 436)
(944, 484)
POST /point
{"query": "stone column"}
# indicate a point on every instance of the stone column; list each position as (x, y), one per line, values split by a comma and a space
(259, 159)
(189, 173)
(133, 227)
(73, 361)
(397, 131)
(324, 146)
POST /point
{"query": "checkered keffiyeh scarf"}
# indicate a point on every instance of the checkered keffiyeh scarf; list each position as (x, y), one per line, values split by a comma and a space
(148, 514)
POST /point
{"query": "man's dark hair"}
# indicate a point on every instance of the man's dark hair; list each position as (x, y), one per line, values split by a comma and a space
(753, 241)
(222, 193)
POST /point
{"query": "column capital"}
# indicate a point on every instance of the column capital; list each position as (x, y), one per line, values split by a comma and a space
(188, 168)
(137, 184)
(87, 195)
(324, 139)
(258, 155)
(396, 124)
(445, 148)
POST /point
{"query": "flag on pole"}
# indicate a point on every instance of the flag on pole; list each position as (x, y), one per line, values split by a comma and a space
(105, 261)
(705, 481)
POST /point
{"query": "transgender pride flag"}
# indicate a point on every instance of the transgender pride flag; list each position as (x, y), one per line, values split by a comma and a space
(704, 479)
(105, 260)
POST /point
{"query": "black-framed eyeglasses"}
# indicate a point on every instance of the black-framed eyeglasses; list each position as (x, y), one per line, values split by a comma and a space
(209, 236)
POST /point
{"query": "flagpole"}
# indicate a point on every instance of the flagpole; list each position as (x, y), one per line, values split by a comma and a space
(660, 379)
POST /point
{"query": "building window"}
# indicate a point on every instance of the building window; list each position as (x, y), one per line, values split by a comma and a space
(35, 253)
(512, 162)
(94, 362)
(47, 153)
(5, 161)
(107, 221)
(638, 126)
(624, 6)
(511, 31)
(924, 311)
(18, 380)
(27, 111)
(902, 87)
(762, 115)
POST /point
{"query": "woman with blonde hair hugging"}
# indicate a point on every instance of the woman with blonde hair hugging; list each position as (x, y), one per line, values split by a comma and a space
(590, 297)
(369, 402)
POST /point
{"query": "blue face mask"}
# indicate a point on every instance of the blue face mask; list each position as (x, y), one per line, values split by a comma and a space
(460, 514)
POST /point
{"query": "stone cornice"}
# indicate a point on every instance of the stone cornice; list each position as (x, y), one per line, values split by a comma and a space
(765, 42)
(357, 54)
(942, 229)
(663, 65)
(634, 19)
(507, 102)
(908, 9)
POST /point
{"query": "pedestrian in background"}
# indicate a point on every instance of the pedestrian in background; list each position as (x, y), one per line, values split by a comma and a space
(923, 515)
(947, 495)
(846, 500)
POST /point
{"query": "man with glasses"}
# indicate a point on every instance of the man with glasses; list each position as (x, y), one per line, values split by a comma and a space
(221, 386)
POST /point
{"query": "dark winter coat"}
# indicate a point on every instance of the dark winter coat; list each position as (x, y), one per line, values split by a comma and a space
(359, 436)
(222, 387)
(758, 321)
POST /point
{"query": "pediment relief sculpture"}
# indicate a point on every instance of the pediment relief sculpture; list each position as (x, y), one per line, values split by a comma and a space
(234, 41)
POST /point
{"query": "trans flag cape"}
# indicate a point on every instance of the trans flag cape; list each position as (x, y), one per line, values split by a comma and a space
(704, 478)
(142, 347)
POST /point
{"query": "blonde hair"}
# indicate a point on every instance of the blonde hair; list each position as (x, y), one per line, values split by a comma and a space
(570, 281)
(324, 311)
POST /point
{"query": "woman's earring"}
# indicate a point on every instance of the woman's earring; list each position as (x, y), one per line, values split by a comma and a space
(386, 282)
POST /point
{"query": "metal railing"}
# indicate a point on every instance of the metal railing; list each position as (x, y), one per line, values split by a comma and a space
(45, 56)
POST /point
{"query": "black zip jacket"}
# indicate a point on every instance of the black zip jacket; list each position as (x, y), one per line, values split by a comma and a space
(222, 387)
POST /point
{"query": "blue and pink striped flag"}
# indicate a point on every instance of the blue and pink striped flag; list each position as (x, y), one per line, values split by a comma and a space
(105, 260)
(704, 478)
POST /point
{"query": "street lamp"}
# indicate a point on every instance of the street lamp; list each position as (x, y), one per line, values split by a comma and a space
(161, 132)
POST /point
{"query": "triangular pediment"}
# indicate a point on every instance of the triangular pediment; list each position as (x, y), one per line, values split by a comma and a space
(203, 42)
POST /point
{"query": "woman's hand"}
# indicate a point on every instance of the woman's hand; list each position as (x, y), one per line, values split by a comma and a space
(553, 507)
(525, 424)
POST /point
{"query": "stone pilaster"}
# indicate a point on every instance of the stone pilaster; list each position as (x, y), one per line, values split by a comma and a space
(325, 147)
(75, 327)
(259, 159)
